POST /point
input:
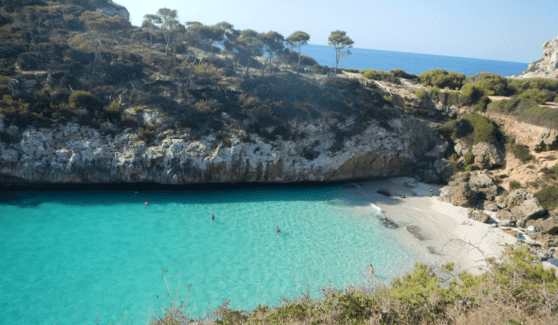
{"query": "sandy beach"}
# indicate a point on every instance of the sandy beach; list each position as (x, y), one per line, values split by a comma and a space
(438, 232)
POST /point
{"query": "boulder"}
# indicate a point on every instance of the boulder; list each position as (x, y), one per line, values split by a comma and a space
(481, 180)
(487, 155)
(459, 195)
(529, 209)
(115, 10)
(505, 215)
(492, 207)
(550, 225)
(484, 184)
(478, 215)
(506, 223)
(546, 240)
(517, 197)
(460, 148)
(521, 223)
(523, 204)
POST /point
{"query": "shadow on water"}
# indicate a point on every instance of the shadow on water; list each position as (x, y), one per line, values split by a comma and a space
(350, 193)
(120, 193)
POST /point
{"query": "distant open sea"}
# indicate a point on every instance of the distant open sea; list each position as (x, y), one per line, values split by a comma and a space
(363, 59)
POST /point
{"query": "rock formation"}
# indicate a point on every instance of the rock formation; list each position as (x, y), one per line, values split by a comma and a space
(78, 154)
(547, 66)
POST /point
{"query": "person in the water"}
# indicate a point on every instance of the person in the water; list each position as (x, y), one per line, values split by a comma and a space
(212, 217)
(146, 203)
(278, 230)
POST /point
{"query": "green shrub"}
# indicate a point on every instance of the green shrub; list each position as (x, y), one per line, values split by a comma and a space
(520, 85)
(521, 152)
(404, 75)
(548, 197)
(528, 111)
(490, 83)
(469, 158)
(552, 172)
(84, 99)
(514, 185)
(146, 135)
(113, 107)
(537, 95)
(418, 288)
(203, 106)
(473, 129)
(442, 79)
(448, 267)
(421, 94)
(475, 96)
(380, 75)
(5, 80)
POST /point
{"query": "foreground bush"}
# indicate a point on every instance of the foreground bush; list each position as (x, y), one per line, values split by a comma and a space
(517, 291)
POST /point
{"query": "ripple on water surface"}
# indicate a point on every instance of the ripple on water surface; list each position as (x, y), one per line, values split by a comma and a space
(106, 254)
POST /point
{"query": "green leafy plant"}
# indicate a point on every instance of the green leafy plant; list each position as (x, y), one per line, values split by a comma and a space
(521, 152)
(442, 79)
(472, 129)
(548, 197)
(514, 185)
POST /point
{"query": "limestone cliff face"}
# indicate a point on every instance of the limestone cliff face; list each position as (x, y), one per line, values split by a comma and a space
(77, 154)
(547, 66)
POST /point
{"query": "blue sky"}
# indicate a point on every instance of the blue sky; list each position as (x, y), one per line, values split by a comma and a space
(508, 30)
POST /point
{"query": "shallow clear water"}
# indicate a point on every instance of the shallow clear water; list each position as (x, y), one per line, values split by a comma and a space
(68, 257)
(416, 63)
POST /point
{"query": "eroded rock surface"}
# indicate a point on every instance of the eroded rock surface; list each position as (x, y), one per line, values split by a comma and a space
(547, 66)
(478, 215)
(487, 156)
(78, 154)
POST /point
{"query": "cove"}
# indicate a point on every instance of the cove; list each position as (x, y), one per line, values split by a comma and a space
(74, 256)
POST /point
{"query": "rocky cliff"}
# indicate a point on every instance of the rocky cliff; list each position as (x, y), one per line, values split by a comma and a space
(77, 154)
(547, 66)
(88, 98)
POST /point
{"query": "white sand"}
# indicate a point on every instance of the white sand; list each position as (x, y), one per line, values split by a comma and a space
(446, 234)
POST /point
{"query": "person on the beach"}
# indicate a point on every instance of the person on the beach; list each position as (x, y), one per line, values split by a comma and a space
(278, 230)
(212, 217)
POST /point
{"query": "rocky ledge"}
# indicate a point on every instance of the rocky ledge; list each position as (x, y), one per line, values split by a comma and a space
(547, 66)
(77, 154)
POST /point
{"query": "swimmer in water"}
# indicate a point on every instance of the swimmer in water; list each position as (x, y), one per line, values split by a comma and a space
(278, 230)
(212, 217)
(145, 203)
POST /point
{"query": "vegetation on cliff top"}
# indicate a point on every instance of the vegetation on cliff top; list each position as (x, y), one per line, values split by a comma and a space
(526, 94)
(64, 62)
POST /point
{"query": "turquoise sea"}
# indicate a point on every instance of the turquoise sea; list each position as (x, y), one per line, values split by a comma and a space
(416, 63)
(70, 257)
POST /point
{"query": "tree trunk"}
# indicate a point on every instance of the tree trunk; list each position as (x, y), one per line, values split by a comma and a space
(298, 65)
(150, 44)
